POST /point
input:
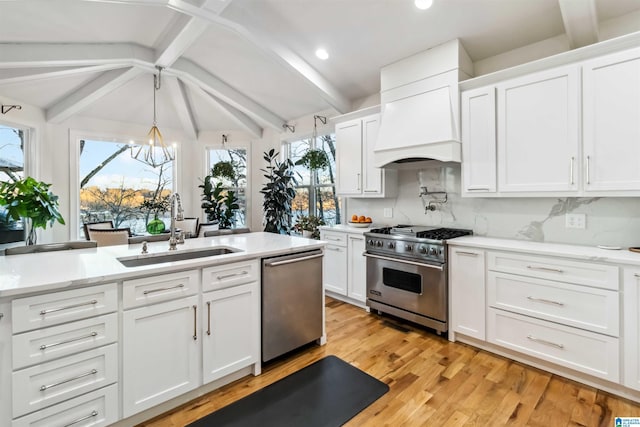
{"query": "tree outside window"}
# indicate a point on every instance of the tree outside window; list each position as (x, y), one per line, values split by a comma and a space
(228, 166)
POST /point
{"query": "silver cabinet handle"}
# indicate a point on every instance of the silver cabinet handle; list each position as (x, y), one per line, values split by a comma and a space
(291, 261)
(466, 253)
(2, 314)
(635, 274)
(571, 170)
(67, 307)
(335, 249)
(86, 374)
(226, 276)
(208, 317)
(359, 182)
(79, 420)
(554, 270)
(477, 188)
(546, 301)
(334, 239)
(587, 171)
(541, 341)
(195, 322)
(403, 261)
(70, 340)
(151, 291)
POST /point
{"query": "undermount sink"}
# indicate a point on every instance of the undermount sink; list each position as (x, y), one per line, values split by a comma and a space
(148, 259)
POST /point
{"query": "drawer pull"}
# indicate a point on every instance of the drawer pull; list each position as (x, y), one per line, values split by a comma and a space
(635, 274)
(208, 317)
(335, 249)
(227, 276)
(335, 239)
(68, 307)
(195, 322)
(150, 291)
(467, 253)
(478, 188)
(546, 301)
(2, 314)
(552, 344)
(79, 420)
(46, 346)
(553, 270)
(86, 374)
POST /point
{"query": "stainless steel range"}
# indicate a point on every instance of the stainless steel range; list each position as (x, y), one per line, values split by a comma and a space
(407, 272)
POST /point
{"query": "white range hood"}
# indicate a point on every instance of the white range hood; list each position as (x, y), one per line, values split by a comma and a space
(420, 108)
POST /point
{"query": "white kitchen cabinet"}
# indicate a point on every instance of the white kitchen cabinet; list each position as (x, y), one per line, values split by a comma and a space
(334, 263)
(160, 353)
(611, 122)
(538, 130)
(631, 322)
(479, 141)
(231, 330)
(356, 175)
(356, 268)
(344, 267)
(467, 287)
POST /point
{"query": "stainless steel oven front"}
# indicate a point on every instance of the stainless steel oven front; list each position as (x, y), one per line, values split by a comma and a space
(415, 291)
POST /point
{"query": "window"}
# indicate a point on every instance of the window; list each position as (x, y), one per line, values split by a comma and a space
(316, 190)
(229, 167)
(13, 145)
(116, 187)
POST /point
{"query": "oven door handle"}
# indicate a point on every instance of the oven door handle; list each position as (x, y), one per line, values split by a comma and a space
(419, 264)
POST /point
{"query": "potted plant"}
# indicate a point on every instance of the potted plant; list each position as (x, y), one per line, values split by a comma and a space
(278, 193)
(31, 200)
(314, 159)
(308, 226)
(219, 204)
(155, 207)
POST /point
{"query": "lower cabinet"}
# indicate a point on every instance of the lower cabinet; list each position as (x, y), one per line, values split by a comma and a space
(161, 353)
(231, 324)
(334, 269)
(467, 287)
(631, 350)
(344, 267)
(356, 269)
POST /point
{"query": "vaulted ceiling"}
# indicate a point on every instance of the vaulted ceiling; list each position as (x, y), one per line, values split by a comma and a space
(250, 64)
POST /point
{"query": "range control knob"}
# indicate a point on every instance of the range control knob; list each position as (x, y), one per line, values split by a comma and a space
(379, 243)
(423, 249)
(433, 251)
(370, 242)
(408, 248)
(391, 245)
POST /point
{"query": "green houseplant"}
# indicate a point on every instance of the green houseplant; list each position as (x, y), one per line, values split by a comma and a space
(278, 193)
(31, 200)
(310, 224)
(218, 203)
(314, 159)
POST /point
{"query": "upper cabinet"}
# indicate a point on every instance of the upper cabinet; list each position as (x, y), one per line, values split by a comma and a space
(566, 131)
(611, 122)
(356, 175)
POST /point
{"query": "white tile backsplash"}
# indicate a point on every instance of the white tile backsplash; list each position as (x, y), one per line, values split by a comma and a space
(611, 221)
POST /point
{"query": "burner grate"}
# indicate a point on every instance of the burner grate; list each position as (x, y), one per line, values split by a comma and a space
(442, 233)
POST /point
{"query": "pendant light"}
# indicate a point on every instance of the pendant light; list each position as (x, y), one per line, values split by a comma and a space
(154, 153)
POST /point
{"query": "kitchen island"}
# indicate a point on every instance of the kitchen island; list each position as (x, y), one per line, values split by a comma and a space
(82, 335)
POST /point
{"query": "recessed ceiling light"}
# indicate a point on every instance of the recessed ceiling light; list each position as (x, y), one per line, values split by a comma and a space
(322, 54)
(423, 4)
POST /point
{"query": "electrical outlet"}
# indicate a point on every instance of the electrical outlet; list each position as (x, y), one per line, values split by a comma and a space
(575, 221)
(388, 212)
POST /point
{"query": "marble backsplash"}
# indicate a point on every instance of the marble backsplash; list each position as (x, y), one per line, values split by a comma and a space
(613, 221)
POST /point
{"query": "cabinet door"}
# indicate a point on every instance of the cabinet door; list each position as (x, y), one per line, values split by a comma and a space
(357, 267)
(631, 328)
(467, 287)
(160, 357)
(334, 269)
(538, 132)
(231, 330)
(611, 109)
(479, 141)
(372, 176)
(349, 157)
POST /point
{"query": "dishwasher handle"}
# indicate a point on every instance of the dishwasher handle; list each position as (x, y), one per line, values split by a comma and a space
(292, 260)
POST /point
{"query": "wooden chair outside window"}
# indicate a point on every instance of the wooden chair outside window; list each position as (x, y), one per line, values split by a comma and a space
(96, 225)
(110, 236)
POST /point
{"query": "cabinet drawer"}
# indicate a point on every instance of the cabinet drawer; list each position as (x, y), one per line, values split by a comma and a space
(96, 408)
(150, 290)
(584, 351)
(338, 239)
(60, 307)
(224, 276)
(583, 273)
(43, 385)
(51, 343)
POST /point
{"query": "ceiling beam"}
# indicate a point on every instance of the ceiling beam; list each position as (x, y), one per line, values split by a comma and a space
(234, 114)
(193, 74)
(35, 76)
(86, 95)
(178, 94)
(580, 19)
(323, 87)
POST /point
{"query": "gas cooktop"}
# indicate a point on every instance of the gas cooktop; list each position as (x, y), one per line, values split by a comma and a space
(421, 232)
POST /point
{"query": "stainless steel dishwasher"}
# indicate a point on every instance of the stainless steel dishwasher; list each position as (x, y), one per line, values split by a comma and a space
(292, 302)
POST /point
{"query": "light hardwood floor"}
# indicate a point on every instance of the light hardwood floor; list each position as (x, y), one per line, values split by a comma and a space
(433, 382)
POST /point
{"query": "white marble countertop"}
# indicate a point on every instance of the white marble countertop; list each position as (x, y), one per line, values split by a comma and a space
(28, 273)
(345, 228)
(589, 253)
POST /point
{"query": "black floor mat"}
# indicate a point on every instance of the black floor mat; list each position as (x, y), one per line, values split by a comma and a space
(327, 393)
